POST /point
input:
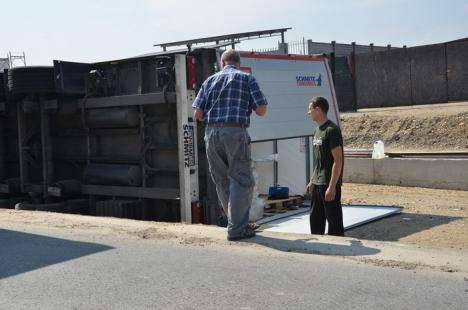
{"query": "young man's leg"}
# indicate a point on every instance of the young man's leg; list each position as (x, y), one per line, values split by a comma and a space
(334, 215)
(317, 212)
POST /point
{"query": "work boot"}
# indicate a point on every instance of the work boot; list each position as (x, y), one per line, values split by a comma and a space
(247, 233)
(254, 226)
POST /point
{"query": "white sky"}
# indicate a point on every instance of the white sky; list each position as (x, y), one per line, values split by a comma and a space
(98, 30)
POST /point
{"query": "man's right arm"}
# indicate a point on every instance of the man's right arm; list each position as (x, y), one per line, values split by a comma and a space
(261, 110)
(259, 100)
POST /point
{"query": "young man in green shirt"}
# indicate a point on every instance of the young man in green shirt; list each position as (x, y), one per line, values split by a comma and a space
(325, 184)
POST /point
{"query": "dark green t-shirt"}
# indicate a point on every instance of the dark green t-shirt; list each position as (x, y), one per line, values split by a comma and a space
(326, 138)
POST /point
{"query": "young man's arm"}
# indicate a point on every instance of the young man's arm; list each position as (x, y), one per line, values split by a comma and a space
(337, 154)
(310, 185)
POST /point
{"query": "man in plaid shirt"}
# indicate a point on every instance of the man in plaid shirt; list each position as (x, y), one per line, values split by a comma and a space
(224, 103)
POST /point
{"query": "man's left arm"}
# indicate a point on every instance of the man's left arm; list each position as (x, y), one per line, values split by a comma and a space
(337, 154)
(198, 114)
(258, 99)
(336, 145)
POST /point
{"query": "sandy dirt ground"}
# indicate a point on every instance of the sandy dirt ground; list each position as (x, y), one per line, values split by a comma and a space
(430, 217)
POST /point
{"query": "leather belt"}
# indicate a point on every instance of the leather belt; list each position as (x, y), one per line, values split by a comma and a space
(228, 124)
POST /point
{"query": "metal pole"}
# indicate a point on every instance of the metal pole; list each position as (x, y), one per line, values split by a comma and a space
(447, 93)
(353, 73)
(182, 122)
(309, 47)
(44, 151)
(142, 139)
(275, 163)
(22, 164)
(303, 46)
(307, 154)
(410, 75)
(333, 59)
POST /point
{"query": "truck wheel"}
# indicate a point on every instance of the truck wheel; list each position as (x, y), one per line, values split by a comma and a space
(50, 207)
(31, 80)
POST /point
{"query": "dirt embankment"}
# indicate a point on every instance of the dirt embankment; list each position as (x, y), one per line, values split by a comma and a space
(441, 127)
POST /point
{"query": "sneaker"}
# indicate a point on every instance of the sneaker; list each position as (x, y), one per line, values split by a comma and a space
(247, 233)
(253, 226)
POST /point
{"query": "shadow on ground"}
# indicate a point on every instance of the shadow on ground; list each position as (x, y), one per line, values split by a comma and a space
(398, 226)
(22, 252)
(314, 246)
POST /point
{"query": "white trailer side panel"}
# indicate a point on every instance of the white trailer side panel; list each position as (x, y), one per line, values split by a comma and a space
(288, 82)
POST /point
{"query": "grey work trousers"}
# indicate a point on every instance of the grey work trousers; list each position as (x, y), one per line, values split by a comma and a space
(228, 153)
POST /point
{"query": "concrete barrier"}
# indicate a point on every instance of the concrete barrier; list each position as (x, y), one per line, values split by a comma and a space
(419, 172)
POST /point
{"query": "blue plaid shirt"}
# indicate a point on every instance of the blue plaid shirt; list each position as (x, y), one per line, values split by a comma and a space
(229, 96)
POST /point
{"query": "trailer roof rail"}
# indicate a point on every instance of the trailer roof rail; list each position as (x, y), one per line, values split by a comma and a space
(228, 39)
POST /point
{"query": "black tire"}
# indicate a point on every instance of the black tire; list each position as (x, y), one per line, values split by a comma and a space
(50, 207)
(31, 80)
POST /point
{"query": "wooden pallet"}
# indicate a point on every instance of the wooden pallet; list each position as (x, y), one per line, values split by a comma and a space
(276, 206)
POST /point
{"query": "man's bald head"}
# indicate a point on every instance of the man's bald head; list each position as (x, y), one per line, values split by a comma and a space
(231, 57)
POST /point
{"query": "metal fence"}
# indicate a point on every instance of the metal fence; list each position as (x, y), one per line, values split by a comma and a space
(298, 47)
(418, 75)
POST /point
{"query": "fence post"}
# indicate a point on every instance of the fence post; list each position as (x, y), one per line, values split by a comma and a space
(333, 60)
(309, 47)
(304, 52)
(353, 74)
(408, 58)
(446, 74)
(283, 48)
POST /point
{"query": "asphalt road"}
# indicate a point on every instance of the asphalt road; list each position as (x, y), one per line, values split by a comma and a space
(49, 269)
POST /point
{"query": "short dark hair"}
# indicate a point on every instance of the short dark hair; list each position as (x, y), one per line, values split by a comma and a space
(320, 102)
(231, 56)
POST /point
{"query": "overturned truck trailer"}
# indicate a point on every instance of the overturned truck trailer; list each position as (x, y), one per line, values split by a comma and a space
(112, 138)
(117, 138)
